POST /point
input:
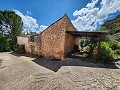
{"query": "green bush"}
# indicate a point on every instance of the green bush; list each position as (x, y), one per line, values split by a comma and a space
(4, 43)
(7, 44)
(20, 49)
(87, 48)
(114, 44)
(117, 52)
(106, 53)
(11, 45)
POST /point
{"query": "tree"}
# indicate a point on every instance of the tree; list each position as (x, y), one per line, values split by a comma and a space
(10, 24)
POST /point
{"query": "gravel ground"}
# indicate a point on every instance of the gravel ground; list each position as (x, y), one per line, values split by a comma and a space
(26, 73)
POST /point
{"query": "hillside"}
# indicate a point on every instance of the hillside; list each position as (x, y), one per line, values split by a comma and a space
(113, 26)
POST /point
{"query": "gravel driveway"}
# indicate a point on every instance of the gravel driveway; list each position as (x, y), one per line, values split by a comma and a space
(26, 73)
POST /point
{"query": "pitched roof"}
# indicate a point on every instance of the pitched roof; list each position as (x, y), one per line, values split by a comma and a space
(65, 16)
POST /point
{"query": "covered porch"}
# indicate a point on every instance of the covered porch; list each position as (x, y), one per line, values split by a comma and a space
(92, 35)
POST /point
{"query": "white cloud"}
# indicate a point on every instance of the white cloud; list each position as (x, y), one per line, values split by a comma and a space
(42, 27)
(30, 23)
(29, 13)
(90, 17)
(92, 5)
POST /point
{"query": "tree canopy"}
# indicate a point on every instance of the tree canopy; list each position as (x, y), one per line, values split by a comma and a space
(10, 24)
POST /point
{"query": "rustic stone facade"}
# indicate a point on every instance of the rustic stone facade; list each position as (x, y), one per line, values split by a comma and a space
(54, 42)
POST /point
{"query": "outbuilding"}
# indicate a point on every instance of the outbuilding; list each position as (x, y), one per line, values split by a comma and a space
(57, 40)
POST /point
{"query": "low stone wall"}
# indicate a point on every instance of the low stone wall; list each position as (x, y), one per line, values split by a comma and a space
(33, 48)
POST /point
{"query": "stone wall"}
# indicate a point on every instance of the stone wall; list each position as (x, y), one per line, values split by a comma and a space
(70, 41)
(33, 48)
(30, 47)
(55, 42)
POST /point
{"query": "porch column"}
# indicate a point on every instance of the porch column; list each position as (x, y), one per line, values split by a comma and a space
(98, 49)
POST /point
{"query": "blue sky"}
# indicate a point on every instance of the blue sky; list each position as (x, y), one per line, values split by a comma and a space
(84, 14)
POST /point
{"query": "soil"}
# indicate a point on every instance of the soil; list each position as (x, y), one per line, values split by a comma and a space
(21, 72)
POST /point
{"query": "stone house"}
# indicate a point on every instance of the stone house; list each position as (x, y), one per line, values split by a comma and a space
(53, 42)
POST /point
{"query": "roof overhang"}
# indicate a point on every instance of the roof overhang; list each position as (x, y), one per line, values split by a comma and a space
(87, 34)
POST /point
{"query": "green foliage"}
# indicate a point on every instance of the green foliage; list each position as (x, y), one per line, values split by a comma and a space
(85, 43)
(114, 44)
(4, 47)
(93, 45)
(4, 44)
(106, 53)
(11, 45)
(12, 24)
(117, 52)
(7, 45)
(20, 49)
(87, 48)
(109, 51)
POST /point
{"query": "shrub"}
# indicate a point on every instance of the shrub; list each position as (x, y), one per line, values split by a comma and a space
(114, 44)
(106, 53)
(4, 43)
(20, 49)
(87, 48)
(117, 52)
(7, 44)
(11, 45)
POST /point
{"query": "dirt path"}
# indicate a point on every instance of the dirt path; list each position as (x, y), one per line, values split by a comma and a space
(26, 73)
